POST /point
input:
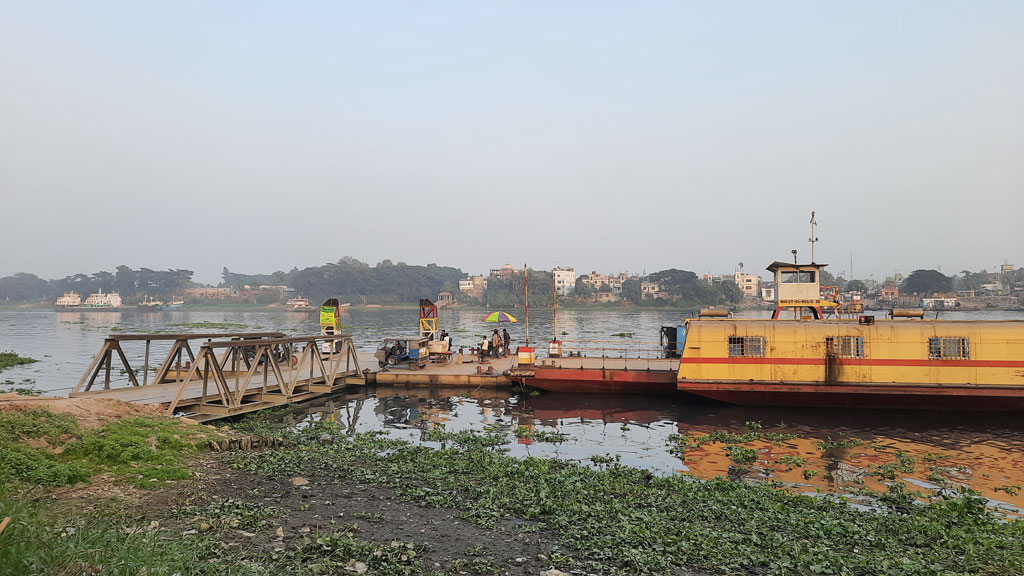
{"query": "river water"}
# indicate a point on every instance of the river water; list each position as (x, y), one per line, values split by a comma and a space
(842, 450)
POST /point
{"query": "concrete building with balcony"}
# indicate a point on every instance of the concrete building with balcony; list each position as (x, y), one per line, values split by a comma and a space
(565, 280)
(474, 286)
(749, 284)
(650, 290)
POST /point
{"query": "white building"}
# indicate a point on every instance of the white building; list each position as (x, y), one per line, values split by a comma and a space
(474, 286)
(749, 284)
(565, 280)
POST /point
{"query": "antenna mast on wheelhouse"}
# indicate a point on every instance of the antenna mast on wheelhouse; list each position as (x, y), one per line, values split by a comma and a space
(813, 238)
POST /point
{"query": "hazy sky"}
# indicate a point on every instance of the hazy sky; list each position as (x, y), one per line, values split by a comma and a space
(609, 136)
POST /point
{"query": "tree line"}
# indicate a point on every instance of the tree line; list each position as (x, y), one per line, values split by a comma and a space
(130, 284)
(388, 282)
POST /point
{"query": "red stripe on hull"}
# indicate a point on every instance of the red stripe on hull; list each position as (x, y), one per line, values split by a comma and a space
(595, 380)
(860, 362)
(864, 396)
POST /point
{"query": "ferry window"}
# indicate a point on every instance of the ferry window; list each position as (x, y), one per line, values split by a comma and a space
(789, 277)
(807, 276)
(845, 346)
(749, 346)
(949, 348)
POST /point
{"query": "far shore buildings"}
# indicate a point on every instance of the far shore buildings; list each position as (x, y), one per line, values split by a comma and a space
(473, 286)
(749, 284)
(565, 280)
(245, 293)
(612, 281)
(650, 290)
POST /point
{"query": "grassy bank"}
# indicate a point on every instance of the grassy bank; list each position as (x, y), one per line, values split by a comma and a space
(603, 518)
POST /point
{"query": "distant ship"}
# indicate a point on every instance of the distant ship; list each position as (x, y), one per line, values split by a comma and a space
(69, 300)
(173, 305)
(299, 305)
(148, 304)
(99, 302)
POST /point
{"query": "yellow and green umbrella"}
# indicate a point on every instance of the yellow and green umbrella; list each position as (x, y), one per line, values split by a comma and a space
(499, 317)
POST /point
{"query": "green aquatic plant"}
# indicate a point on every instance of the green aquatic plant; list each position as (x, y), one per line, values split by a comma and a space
(614, 519)
(741, 454)
(11, 359)
(540, 435)
(211, 325)
(829, 444)
(791, 461)
(1012, 490)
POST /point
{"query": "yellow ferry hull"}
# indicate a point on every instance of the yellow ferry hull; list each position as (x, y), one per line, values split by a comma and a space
(893, 364)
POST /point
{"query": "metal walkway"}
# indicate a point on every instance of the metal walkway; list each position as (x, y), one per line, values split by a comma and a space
(231, 374)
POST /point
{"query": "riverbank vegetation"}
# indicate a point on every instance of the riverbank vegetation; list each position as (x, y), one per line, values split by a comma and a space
(598, 516)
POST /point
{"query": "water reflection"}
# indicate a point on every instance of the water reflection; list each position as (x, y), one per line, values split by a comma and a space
(841, 451)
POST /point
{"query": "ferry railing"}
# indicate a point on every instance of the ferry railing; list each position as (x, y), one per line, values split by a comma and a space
(607, 354)
(181, 345)
(285, 368)
(638, 349)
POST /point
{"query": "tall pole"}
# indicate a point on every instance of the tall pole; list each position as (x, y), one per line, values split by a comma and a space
(526, 273)
(555, 290)
(813, 238)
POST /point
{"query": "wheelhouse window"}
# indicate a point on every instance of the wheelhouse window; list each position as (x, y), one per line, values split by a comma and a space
(949, 348)
(844, 346)
(807, 277)
(789, 277)
(746, 346)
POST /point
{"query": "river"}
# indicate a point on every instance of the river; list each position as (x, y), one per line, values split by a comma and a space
(843, 451)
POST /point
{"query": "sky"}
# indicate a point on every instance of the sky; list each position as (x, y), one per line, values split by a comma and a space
(608, 136)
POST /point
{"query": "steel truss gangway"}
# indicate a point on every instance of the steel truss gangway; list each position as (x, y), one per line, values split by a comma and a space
(225, 374)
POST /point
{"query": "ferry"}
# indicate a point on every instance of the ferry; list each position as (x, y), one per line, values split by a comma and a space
(816, 352)
(299, 305)
(100, 302)
(69, 300)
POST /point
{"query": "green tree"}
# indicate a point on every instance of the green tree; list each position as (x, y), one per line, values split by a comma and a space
(926, 282)
(856, 286)
(631, 291)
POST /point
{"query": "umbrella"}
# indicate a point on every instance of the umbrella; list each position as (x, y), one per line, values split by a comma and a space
(499, 317)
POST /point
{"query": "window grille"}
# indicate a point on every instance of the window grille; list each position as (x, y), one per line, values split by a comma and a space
(949, 348)
(746, 346)
(845, 346)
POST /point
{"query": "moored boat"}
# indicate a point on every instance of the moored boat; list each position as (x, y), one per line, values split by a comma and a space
(817, 352)
(149, 304)
(97, 302)
(918, 364)
(299, 305)
(69, 300)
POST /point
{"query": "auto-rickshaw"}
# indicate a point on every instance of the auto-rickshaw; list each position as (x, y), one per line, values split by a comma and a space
(408, 350)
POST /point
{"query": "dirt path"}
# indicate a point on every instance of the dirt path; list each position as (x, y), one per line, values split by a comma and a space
(325, 504)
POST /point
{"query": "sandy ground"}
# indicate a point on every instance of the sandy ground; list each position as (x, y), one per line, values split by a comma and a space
(89, 412)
